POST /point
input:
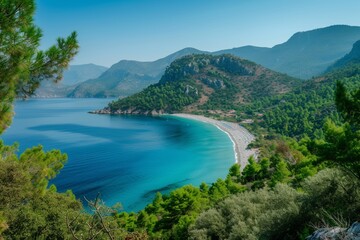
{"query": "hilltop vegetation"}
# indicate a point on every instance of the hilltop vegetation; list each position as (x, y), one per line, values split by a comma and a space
(199, 83)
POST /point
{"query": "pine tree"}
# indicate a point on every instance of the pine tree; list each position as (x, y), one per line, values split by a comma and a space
(27, 208)
(22, 65)
(348, 104)
(341, 145)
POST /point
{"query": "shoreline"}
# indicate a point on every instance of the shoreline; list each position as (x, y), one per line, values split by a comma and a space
(239, 136)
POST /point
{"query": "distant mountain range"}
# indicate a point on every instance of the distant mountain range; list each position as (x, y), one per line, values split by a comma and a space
(304, 55)
(351, 58)
(127, 77)
(206, 83)
(73, 76)
(80, 73)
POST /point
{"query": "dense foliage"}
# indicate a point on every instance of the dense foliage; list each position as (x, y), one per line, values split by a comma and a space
(281, 213)
(304, 110)
(169, 97)
(341, 144)
(29, 208)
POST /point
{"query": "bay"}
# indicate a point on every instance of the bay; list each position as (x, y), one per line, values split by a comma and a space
(126, 159)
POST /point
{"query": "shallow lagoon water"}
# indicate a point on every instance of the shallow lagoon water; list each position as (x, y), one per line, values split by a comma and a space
(126, 159)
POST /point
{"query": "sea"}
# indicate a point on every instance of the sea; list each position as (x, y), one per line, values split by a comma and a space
(124, 159)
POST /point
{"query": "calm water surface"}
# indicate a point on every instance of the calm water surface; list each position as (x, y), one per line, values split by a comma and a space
(126, 159)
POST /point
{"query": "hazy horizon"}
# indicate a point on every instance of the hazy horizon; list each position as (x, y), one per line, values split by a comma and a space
(145, 30)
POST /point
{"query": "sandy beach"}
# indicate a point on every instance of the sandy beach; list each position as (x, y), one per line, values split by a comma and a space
(238, 135)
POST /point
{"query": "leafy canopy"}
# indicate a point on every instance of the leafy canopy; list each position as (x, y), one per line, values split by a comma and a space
(341, 145)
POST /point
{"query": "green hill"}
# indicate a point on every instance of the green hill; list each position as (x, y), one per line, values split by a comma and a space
(208, 84)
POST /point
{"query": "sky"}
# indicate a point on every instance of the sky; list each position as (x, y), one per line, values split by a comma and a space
(146, 30)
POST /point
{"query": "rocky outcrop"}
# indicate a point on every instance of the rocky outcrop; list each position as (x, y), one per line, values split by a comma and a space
(101, 111)
(214, 83)
(232, 65)
(337, 233)
(128, 112)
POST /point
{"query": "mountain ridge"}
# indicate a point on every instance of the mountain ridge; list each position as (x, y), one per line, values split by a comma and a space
(74, 75)
(353, 57)
(304, 55)
(128, 77)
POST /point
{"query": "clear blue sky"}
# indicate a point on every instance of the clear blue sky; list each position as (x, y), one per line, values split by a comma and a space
(112, 30)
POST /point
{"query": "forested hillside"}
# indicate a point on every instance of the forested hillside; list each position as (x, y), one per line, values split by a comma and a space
(304, 110)
(205, 83)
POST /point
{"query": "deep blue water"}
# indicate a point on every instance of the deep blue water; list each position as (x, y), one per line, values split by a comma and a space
(126, 159)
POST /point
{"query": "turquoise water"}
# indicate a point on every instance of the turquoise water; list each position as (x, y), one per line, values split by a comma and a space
(126, 159)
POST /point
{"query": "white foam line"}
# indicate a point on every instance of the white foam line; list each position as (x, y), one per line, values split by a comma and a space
(237, 158)
(239, 146)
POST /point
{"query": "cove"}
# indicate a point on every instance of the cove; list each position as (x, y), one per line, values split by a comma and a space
(126, 159)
